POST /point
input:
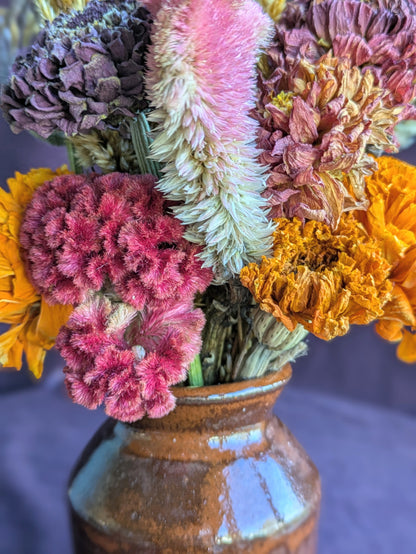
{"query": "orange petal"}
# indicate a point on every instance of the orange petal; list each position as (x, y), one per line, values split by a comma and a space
(50, 320)
(406, 351)
(390, 330)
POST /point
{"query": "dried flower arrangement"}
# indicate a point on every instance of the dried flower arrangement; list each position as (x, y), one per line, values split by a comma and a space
(226, 195)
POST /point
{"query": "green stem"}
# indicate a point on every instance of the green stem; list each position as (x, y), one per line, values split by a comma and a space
(195, 373)
(72, 159)
(140, 136)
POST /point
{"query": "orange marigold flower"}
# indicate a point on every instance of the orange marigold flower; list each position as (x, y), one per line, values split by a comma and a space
(33, 323)
(391, 218)
(323, 279)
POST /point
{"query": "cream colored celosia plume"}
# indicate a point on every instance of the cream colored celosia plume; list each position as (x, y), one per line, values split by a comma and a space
(201, 82)
(50, 9)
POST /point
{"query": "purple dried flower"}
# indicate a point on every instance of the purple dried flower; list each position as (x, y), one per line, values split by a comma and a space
(337, 79)
(84, 71)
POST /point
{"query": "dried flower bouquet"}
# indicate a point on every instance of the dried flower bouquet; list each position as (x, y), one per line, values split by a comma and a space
(227, 194)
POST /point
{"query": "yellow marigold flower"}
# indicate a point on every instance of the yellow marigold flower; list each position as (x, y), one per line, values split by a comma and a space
(391, 218)
(33, 323)
(323, 279)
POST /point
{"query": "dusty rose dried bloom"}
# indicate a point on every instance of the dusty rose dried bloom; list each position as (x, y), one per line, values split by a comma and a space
(82, 231)
(317, 122)
(377, 34)
(128, 360)
(84, 71)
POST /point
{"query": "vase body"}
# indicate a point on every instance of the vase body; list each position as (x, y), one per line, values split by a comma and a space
(220, 473)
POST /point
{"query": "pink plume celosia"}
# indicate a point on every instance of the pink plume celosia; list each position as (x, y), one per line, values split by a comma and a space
(201, 82)
(127, 359)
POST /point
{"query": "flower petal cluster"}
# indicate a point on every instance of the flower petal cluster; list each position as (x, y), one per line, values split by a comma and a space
(82, 231)
(128, 360)
(84, 71)
(322, 279)
(317, 123)
(34, 324)
(374, 34)
(391, 218)
(201, 82)
(108, 244)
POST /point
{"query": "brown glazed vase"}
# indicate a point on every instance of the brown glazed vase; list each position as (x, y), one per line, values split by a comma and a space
(220, 473)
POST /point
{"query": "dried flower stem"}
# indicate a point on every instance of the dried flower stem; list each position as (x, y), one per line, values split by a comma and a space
(140, 135)
(195, 376)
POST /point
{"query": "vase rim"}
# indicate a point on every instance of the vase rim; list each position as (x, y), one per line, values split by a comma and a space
(228, 392)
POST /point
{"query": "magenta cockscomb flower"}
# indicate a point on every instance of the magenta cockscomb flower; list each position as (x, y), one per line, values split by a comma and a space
(127, 360)
(81, 232)
(108, 245)
(201, 82)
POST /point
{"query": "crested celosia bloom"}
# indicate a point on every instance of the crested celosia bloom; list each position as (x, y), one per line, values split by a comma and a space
(34, 324)
(82, 231)
(84, 71)
(128, 359)
(391, 218)
(201, 83)
(108, 244)
(321, 279)
(317, 122)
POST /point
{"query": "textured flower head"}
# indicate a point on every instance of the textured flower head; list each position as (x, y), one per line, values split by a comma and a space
(34, 324)
(317, 121)
(321, 279)
(391, 218)
(108, 244)
(201, 82)
(375, 34)
(126, 359)
(84, 71)
(82, 233)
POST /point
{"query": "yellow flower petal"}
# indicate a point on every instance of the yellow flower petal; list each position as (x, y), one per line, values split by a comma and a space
(406, 351)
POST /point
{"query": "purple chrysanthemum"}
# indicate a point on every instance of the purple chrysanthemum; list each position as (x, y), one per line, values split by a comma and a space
(84, 71)
(336, 81)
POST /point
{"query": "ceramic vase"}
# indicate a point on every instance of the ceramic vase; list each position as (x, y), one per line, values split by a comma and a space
(221, 473)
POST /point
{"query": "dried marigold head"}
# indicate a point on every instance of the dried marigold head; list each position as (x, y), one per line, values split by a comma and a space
(316, 124)
(391, 218)
(34, 324)
(322, 279)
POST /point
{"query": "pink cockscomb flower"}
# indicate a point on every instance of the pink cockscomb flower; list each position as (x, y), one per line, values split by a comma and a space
(201, 82)
(125, 359)
(83, 231)
(109, 245)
